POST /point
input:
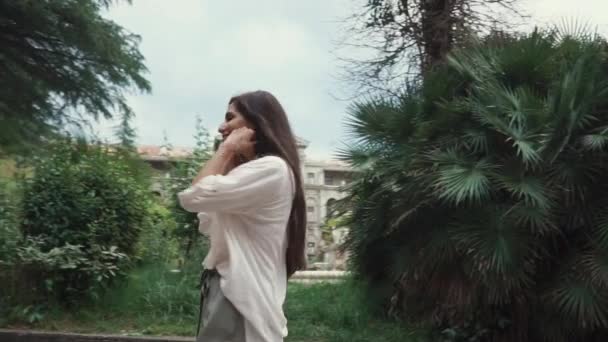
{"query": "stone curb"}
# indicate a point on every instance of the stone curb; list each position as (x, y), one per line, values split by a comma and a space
(7, 335)
(320, 275)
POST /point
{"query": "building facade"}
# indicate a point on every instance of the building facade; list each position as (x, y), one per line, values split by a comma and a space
(324, 182)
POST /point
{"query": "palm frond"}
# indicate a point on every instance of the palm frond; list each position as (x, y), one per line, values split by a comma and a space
(595, 263)
(574, 29)
(571, 102)
(600, 231)
(595, 141)
(538, 220)
(361, 157)
(464, 183)
(475, 140)
(496, 250)
(367, 121)
(503, 111)
(580, 302)
(528, 188)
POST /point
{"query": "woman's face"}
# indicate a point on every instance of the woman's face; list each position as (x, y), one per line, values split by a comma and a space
(232, 121)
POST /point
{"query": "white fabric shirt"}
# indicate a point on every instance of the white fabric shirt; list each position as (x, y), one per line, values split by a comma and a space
(245, 215)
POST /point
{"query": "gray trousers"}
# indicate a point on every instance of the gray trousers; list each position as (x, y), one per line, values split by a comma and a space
(219, 320)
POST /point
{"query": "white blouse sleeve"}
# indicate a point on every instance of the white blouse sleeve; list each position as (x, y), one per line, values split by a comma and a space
(247, 187)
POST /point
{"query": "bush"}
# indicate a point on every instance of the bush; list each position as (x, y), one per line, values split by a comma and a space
(186, 230)
(82, 213)
(9, 239)
(481, 201)
(9, 233)
(165, 294)
(157, 243)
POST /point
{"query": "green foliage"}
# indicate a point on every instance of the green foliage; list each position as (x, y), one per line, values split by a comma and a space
(9, 239)
(157, 243)
(61, 63)
(65, 271)
(337, 312)
(182, 174)
(156, 300)
(481, 200)
(171, 295)
(125, 132)
(9, 233)
(82, 213)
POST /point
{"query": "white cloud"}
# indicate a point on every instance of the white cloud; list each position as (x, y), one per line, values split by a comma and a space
(200, 53)
(269, 45)
(557, 12)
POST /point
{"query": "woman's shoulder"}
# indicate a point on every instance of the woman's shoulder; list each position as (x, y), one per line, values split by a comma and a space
(272, 162)
(274, 167)
(263, 166)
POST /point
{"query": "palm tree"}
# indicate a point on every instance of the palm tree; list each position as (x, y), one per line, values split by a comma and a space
(482, 201)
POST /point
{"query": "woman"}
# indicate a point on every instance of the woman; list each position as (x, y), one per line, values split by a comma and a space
(250, 202)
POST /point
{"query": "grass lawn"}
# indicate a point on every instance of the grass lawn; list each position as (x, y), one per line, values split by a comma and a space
(155, 301)
(7, 168)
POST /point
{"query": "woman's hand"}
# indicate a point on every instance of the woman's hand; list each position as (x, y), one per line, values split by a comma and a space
(241, 142)
(238, 147)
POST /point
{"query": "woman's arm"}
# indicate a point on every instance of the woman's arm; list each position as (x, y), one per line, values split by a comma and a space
(220, 164)
(245, 188)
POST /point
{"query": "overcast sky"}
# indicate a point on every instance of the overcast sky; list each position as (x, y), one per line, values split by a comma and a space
(202, 52)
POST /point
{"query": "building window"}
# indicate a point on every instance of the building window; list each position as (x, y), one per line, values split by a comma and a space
(311, 178)
(310, 209)
(329, 180)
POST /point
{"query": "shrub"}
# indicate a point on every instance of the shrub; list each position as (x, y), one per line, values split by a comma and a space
(481, 201)
(82, 213)
(9, 239)
(9, 233)
(157, 243)
(186, 229)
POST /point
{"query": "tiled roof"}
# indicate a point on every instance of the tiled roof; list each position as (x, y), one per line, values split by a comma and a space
(161, 153)
(155, 152)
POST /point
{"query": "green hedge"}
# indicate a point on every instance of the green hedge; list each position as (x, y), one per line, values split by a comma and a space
(82, 212)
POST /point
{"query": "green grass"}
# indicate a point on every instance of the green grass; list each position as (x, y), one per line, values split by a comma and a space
(337, 312)
(154, 301)
(7, 168)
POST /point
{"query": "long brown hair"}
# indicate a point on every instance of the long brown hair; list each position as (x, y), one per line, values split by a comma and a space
(275, 137)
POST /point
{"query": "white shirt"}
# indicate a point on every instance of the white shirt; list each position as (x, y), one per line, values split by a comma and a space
(245, 214)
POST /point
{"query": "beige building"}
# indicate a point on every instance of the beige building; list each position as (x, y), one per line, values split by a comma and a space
(323, 182)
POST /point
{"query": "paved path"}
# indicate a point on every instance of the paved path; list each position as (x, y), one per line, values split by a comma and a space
(318, 276)
(52, 336)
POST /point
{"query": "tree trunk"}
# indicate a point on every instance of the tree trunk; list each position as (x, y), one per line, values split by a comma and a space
(437, 35)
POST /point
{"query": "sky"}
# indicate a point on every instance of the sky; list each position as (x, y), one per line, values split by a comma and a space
(201, 52)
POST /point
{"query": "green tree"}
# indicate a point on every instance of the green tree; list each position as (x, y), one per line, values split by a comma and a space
(404, 38)
(9, 232)
(181, 177)
(125, 132)
(481, 201)
(62, 62)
